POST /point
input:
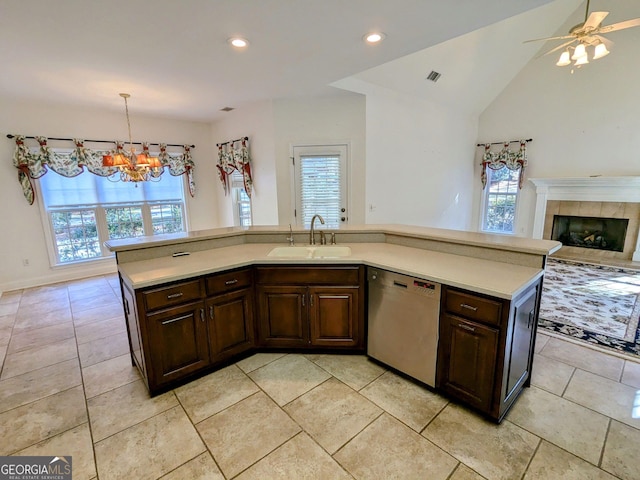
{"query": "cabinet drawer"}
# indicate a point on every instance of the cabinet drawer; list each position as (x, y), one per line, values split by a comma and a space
(473, 307)
(226, 282)
(172, 295)
(291, 275)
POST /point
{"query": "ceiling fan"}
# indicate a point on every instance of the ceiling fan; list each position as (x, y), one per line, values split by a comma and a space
(585, 34)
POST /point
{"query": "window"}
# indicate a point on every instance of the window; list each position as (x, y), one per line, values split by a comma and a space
(83, 212)
(500, 199)
(241, 201)
(320, 179)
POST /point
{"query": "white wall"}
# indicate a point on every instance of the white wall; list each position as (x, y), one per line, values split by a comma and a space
(582, 124)
(419, 157)
(321, 120)
(256, 122)
(22, 234)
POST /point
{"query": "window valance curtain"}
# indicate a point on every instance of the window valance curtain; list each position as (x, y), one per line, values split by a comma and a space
(35, 161)
(232, 156)
(505, 157)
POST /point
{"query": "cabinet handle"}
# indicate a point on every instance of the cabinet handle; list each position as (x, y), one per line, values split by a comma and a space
(202, 314)
(126, 307)
(211, 312)
(531, 316)
(174, 295)
(466, 327)
(177, 319)
(231, 282)
(469, 307)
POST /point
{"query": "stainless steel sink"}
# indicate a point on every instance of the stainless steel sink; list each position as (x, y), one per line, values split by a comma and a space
(322, 251)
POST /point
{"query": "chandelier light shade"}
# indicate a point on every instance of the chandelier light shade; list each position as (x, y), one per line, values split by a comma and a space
(600, 51)
(565, 59)
(583, 60)
(579, 52)
(132, 166)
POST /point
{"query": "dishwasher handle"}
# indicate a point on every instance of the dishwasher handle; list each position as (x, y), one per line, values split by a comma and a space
(398, 284)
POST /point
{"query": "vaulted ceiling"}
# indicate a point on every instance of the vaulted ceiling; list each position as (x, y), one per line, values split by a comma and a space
(174, 59)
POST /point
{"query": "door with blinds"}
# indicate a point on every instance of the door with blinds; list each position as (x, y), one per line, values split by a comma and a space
(320, 184)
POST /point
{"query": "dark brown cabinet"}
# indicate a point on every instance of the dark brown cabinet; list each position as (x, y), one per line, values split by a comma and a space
(333, 314)
(182, 329)
(471, 360)
(229, 310)
(179, 345)
(304, 307)
(282, 316)
(230, 324)
(485, 351)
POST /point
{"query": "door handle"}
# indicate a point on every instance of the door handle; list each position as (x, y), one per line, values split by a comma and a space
(211, 312)
(231, 282)
(466, 327)
(202, 314)
(174, 295)
(531, 317)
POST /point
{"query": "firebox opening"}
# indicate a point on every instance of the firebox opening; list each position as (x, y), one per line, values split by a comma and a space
(590, 232)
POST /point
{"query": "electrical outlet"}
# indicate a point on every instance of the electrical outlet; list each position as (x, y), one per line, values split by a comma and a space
(25, 262)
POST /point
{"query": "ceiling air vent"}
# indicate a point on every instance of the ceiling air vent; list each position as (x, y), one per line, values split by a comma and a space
(434, 76)
(226, 109)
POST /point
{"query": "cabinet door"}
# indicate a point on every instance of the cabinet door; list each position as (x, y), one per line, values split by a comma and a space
(469, 362)
(282, 316)
(230, 324)
(178, 342)
(519, 353)
(334, 316)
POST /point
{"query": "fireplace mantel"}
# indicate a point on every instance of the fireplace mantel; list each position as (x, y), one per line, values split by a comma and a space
(586, 189)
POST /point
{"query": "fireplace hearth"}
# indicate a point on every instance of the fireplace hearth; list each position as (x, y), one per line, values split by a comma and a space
(590, 232)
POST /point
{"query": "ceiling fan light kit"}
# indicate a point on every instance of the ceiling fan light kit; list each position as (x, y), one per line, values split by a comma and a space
(586, 34)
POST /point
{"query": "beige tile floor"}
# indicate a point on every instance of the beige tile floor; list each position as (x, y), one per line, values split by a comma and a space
(67, 388)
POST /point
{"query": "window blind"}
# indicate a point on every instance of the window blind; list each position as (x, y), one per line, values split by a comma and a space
(320, 191)
(89, 189)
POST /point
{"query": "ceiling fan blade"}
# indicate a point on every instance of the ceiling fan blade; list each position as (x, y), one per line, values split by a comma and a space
(549, 38)
(594, 20)
(559, 47)
(619, 26)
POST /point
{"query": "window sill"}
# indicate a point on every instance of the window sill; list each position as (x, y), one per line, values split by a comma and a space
(93, 262)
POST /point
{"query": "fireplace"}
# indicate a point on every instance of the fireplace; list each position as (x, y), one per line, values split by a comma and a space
(590, 232)
(598, 196)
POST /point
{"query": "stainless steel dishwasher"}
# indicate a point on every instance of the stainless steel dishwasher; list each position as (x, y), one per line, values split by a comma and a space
(403, 323)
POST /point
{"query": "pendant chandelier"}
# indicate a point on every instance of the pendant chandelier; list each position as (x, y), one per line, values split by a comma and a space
(132, 166)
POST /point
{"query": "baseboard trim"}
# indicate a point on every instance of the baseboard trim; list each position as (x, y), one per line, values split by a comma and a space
(57, 276)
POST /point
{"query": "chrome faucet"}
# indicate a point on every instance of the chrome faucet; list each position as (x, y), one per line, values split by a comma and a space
(312, 239)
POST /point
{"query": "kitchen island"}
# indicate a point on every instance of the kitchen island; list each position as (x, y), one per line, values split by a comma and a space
(196, 301)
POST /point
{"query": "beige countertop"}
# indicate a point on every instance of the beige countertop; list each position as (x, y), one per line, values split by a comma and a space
(498, 242)
(498, 279)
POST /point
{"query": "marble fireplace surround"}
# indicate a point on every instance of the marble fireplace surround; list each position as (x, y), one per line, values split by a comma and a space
(615, 194)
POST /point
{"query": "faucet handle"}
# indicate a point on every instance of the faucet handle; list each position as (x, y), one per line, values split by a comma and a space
(290, 237)
(323, 238)
(333, 238)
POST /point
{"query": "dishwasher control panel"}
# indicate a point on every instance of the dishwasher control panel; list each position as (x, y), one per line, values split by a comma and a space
(401, 282)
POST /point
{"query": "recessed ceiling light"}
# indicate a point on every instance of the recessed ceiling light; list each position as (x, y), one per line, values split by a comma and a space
(374, 37)
(238, 42)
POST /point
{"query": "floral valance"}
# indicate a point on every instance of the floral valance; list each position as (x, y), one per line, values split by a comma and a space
(35, 161)
(234, 156)
(505, 157)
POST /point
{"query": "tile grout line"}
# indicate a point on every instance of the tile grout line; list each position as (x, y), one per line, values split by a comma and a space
(84, 394)
(604, 444)
(206, 447)
(535, 452)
